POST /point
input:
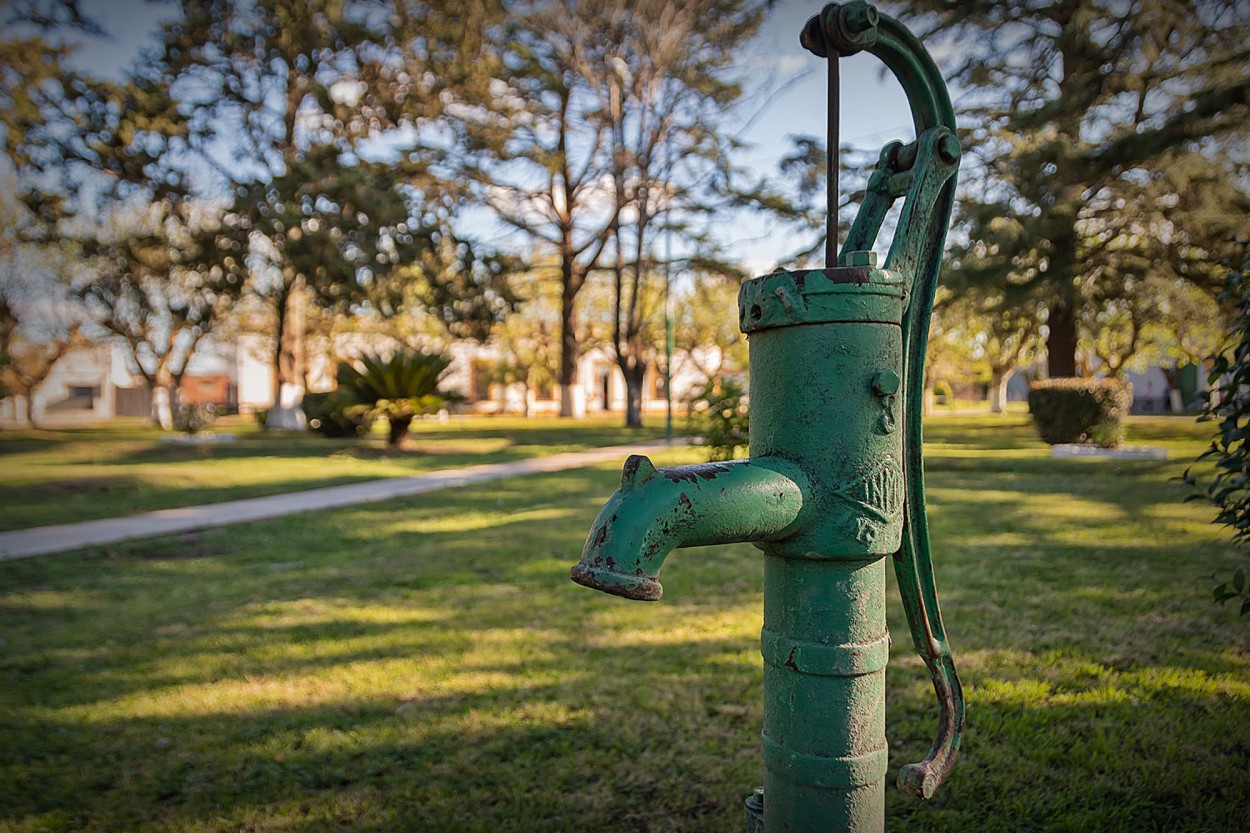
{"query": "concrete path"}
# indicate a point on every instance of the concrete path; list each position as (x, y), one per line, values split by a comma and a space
(25, 543)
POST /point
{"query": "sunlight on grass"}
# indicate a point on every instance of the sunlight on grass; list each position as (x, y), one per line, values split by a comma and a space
(49, 601)
(113, 470)
(470, 522)
(315, 613)
(425, 664)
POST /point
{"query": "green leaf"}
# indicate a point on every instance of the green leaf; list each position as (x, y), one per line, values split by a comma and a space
(1239, 580)
(1245, 607)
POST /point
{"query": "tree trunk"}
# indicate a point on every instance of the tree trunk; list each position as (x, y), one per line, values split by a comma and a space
(998, 389)
(526, 406)
(25, 409)
(1061, 342)
(162, 412)
(572, 403)
(397, 433)
(287, 413)
(635, 375)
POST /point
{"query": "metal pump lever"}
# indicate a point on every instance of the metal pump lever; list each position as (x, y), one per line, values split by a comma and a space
(923, 173)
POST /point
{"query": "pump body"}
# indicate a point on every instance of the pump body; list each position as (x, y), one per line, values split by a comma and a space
(836, 336)
(834, 481)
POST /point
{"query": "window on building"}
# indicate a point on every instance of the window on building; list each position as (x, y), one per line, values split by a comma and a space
(481, 382)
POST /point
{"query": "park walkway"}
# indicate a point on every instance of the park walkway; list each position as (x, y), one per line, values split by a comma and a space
(44, 540)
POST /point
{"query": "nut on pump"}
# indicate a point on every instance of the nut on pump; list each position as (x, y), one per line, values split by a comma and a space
(834, 483)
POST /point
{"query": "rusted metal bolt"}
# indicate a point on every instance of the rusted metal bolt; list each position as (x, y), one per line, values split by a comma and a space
(859, 17)
(948, 149)
(861, 258)
(885, 383)
(841, 30)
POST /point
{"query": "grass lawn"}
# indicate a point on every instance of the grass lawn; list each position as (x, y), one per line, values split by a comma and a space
(53, 477)
(426, 665)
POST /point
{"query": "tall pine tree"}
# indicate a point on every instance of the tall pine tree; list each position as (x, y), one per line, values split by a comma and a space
(1097, 123)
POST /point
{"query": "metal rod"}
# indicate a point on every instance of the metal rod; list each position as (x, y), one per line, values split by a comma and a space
(831, 162)
(668, 334)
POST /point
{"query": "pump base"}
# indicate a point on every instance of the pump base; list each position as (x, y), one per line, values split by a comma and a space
(753, 812)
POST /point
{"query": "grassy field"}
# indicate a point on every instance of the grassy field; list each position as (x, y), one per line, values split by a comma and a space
(117, 469)
(425, 665)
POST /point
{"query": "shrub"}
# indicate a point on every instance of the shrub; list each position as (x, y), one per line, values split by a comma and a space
(336, 415)
(1227, 404)
(191, 419)
(1080, 410)
(718, 413)
(400, 388)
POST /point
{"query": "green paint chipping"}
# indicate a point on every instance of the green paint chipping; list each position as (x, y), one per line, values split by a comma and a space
(835, 481)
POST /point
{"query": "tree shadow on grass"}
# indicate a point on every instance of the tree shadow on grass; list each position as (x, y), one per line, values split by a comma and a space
(426, 665)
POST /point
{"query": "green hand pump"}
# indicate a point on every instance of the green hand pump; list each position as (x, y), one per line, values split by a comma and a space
(834, 483)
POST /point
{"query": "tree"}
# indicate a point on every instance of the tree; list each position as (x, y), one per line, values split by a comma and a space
(536, 161)
(662, 86)
(1005, 338)
(1075, 109)
(315, 101)
(309, 120)
(988, 278)
(706, 334)
(156, 278)
(525, 340)
(1188, 338)
(29, 365)
(952, 347)
(38, 325)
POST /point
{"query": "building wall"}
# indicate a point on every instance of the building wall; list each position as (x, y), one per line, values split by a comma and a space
(80, 389)
(83, 386)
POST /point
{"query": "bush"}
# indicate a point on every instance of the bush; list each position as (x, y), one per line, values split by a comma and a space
(336, 415)
(1227, 404)
(191, 419)
(402, 387)
(1080, 410)
(719, 414)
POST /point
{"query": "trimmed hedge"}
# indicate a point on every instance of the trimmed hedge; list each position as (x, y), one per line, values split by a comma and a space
(1080, 410)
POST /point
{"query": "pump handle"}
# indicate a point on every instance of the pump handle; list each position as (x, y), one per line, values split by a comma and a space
(924, 173)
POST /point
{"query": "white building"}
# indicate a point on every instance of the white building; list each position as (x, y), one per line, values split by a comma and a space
(83, 387)
(98, 382)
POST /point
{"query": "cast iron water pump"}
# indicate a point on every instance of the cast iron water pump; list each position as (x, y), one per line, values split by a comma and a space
(834, 483)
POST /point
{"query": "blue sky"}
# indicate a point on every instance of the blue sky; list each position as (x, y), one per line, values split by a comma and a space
(874, 108)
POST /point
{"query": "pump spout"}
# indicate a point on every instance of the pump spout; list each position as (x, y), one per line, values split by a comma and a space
(656, 511)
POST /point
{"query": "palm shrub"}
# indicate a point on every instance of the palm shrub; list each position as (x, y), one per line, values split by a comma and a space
(337, 414)
(400, 388)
